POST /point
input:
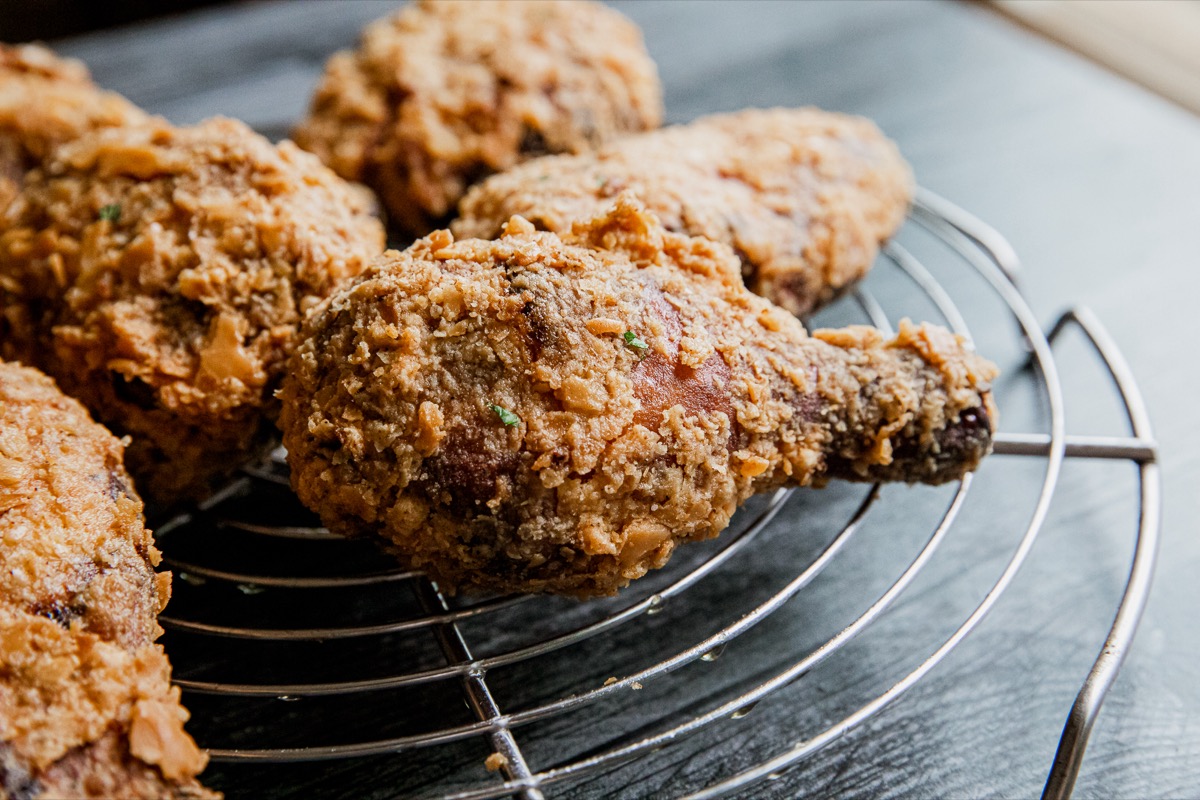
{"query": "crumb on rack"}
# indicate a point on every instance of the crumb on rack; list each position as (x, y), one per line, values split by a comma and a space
(496, 762)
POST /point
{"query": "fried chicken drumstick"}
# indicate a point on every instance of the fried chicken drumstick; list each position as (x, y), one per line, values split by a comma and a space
(549, 414)
(445, 92)
(86, 705)
(45, 101)
(803, 196)
(159, 273)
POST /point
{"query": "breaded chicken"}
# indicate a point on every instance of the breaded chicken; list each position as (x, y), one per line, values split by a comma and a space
(159, 273)
(45, 101)
(804, 197)
(445, 92)
(550, 414)
(86, 704)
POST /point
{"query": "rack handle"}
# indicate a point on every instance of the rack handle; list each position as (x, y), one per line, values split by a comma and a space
(1073, 743)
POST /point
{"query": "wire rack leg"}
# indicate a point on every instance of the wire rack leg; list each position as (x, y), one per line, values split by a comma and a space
(454, 647)
(1071, 747)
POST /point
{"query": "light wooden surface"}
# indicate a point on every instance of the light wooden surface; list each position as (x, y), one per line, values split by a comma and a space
(1153, 42)
(1095, 182)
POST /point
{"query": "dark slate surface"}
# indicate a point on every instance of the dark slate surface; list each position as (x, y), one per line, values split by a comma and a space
(1095, 182)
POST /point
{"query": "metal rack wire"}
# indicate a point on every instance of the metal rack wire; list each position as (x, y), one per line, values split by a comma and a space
(238, 511)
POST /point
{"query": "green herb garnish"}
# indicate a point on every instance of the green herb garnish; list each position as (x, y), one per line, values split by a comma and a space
(632, 340)
(110, 212)
(506, 416)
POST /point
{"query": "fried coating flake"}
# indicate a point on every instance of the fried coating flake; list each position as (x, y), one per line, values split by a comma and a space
(618, 452)
(46, 100)
(86, 705)
(159, 273)
(445, 92)
(804, 197)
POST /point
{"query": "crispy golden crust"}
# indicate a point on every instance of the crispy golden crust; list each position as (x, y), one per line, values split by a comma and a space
(443, 93)
(804, 197)
(159, 274)
(85, 718)
(73, 546)
(620, 452)
(105, 770)
(45, 101)
(86, 706)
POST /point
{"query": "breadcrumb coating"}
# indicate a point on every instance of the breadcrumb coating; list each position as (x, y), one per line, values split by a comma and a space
(86, 705)
(46, 100)
(804, 197)
(159, 274)
(445, 92)
(73, 545)
(550, 414)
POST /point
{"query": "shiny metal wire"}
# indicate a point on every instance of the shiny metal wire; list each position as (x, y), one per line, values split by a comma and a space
(973, 243)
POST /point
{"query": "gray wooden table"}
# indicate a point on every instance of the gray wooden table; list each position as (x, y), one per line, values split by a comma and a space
(1097, 185)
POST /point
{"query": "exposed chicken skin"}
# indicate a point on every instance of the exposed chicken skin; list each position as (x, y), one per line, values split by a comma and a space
(488, 406)
(86, 704)
(803, 196)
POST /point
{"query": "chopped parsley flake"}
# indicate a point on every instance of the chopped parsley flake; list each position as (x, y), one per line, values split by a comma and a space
(632, 340)
(110, 212)
(506, 416)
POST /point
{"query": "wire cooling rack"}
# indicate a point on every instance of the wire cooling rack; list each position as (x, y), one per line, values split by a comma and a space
(254, 676)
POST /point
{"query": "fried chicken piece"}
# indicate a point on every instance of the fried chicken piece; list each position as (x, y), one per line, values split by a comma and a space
(45, 101)
(86, 704)
(804, 197)
(445, 92)
(549, 414)
(75, 549)
(159, 273)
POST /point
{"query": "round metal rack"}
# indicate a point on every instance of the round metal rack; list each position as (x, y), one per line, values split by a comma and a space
(258, 513)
